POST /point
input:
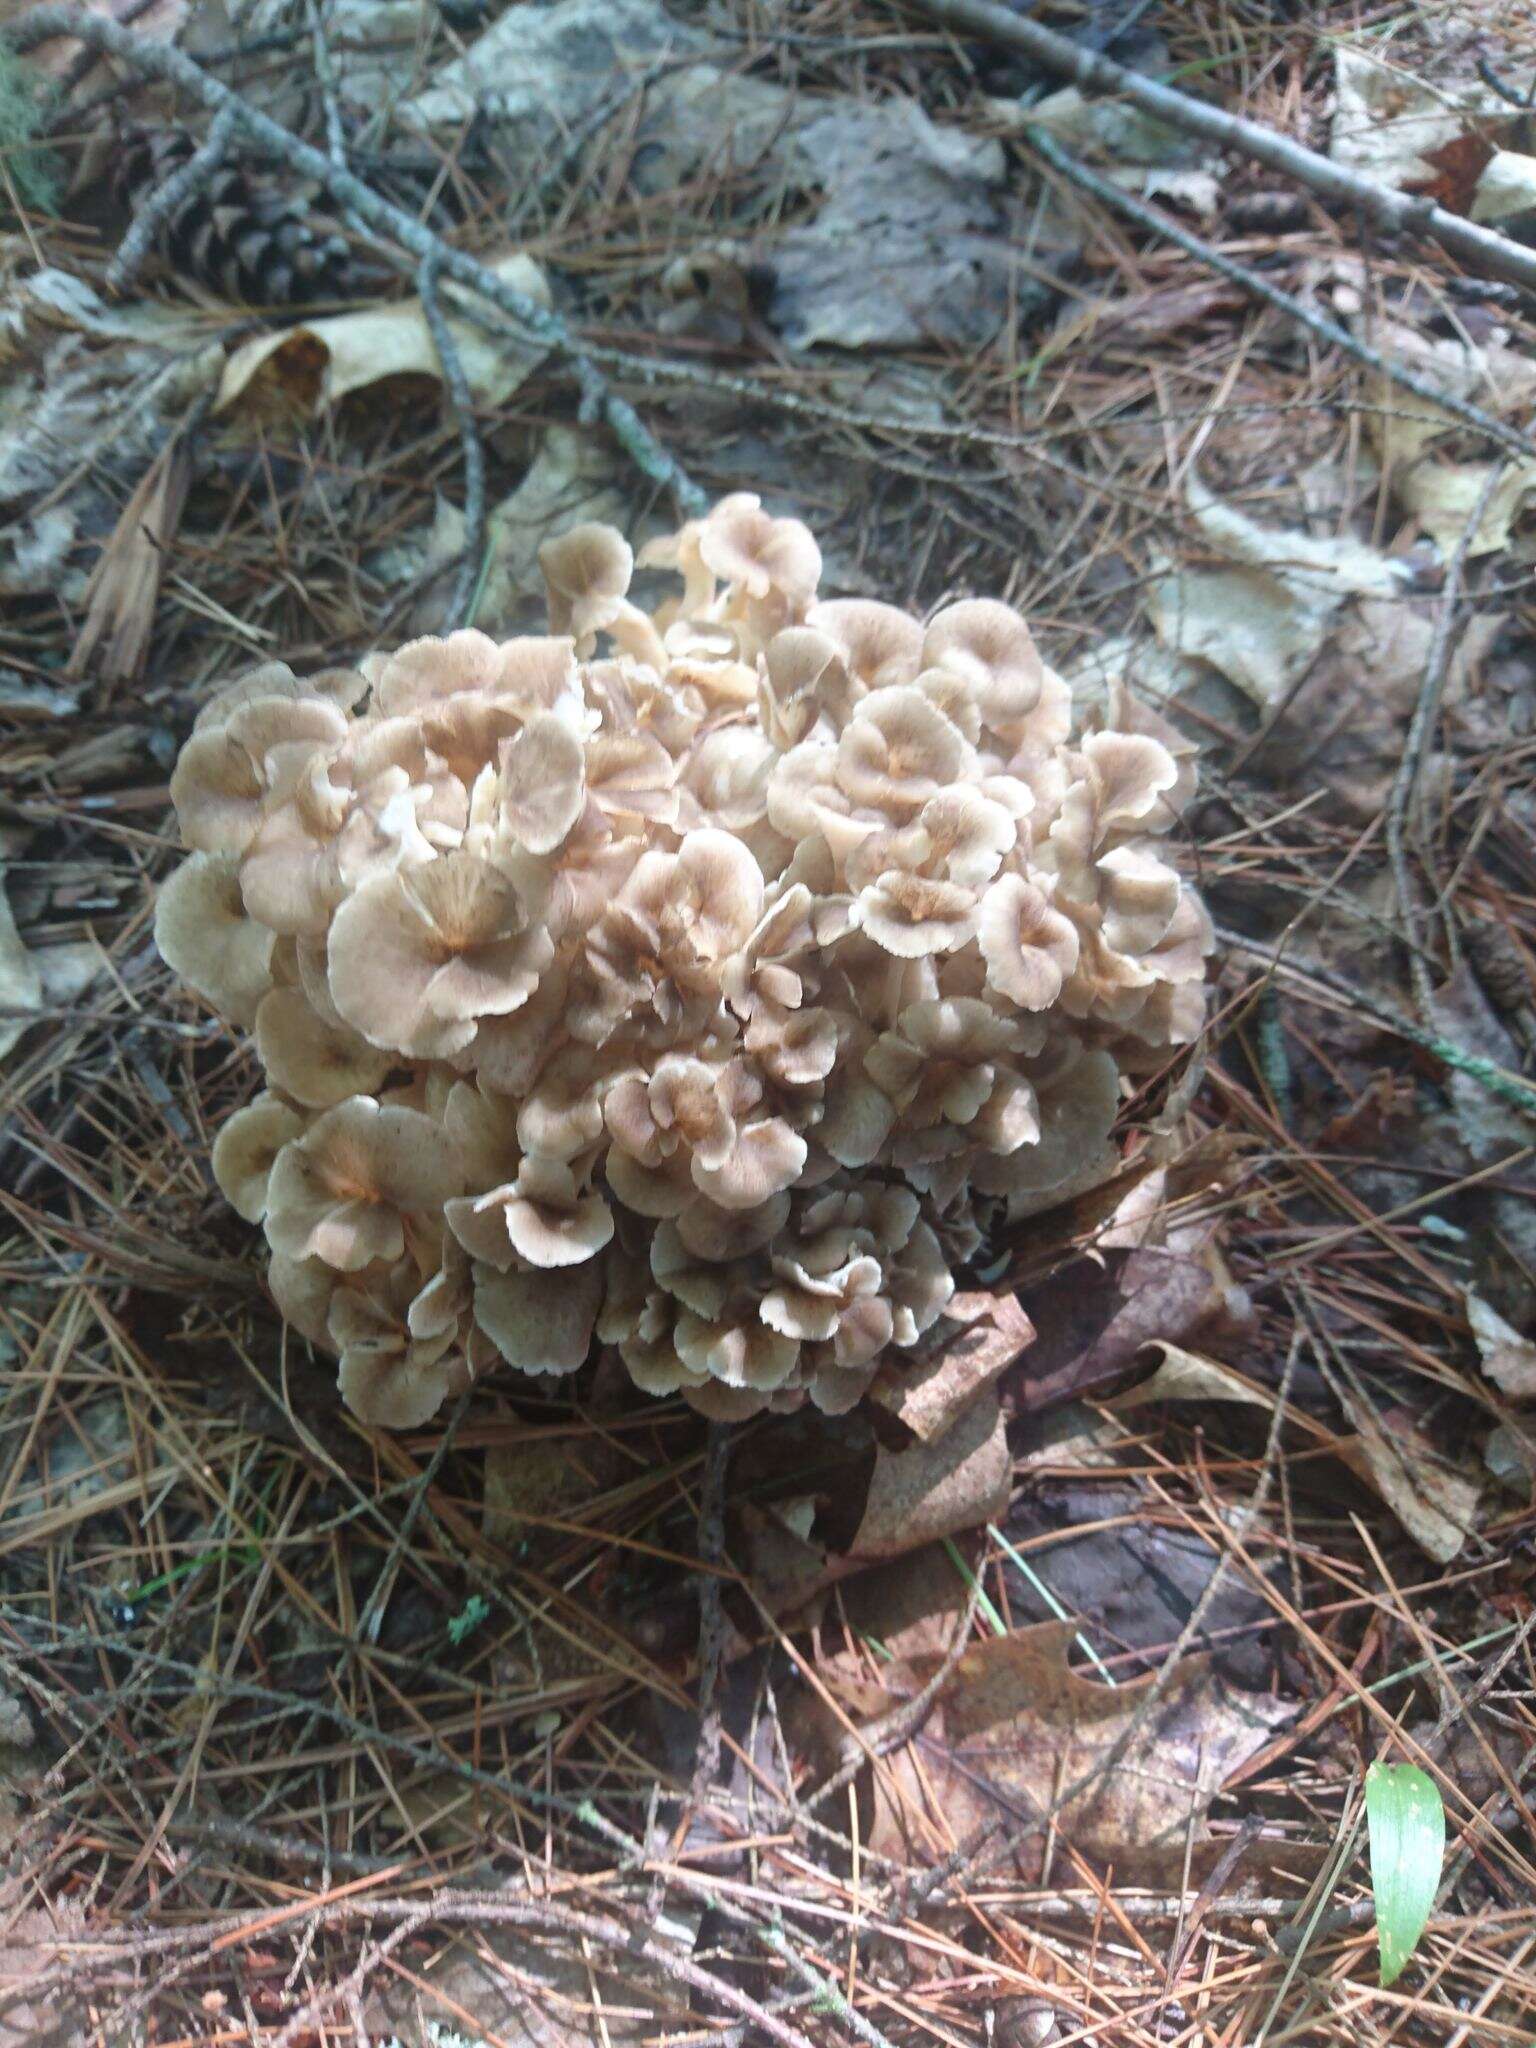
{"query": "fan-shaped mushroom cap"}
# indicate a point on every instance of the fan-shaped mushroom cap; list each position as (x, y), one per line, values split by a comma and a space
(247, 1147)
(426, 670)
(205, 935)
(879, 645)
(897, 752)
(310, 1059)
(343, 1190)
(344, 688)
(302, 1290)
(543, 787)
(540, 1322)
(1029, 947)
(989, 648)
(551, 1217)
(586, 572)
(744, 546)
(1125, 777)
(418, 958)
(804, 682)
(1138, 895)
(389, 1377)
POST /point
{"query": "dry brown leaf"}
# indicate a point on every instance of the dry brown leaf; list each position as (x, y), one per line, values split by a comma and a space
(1508, 1358)
(1094, 1320)
(939, 1488)
(533, 1478)
(320, 362)
(1435, 1501)
(929, 1396)
(125, 583)
(21, 983)
(1456, 169)
(1016, 1725)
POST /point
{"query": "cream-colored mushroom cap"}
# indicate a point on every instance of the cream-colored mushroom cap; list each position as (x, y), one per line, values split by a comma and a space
(587, 572)
(343, 1191)
(206, 936)
(1030, 948)
(311, 1059)
(246, 1149)
(989, 647)
(418, 957)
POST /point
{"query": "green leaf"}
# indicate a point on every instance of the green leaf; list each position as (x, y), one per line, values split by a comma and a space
(468, 1619)
(1407, 1823)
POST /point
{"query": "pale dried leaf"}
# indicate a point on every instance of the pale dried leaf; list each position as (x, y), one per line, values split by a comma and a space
(1435, 1501)
(318, 363)
(1262, 619)
(1187, 1376)
(1388, 122)
(929, 1395)
(1506, 188)
(937, 1489)
(1508, 1358)
(21, 983)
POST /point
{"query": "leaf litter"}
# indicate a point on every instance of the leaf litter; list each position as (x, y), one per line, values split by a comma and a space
(1267, 1372)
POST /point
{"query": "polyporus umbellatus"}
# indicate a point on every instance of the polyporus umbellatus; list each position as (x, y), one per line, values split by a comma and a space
(704, 980)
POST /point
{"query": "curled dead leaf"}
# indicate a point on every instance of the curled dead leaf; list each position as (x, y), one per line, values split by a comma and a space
(984, 1334)
(317, 364)
(1508, 1358)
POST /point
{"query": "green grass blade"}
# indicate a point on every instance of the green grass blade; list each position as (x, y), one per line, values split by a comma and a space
(1407, 1827)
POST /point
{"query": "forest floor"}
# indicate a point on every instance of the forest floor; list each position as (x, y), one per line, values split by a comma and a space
(311, 1734)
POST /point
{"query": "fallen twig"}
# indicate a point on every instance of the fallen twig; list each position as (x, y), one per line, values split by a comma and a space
(1402, 802)
(1496, 1079)
(1399, 213)
(1078, 173)
(711, 1610)
(462, 405)
(599, 401)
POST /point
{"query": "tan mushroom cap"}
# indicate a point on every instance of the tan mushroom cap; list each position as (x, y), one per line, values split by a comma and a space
(990, 649)
(897, 752)
(543, 783)
(310, 1059)
(342, 1192)
(418, 957)
(540, 1322)
(745, 546)
(552, 1218)
(587, 572)
(878, 644)
(1030, 948)
(206, 936)
(302, 1291)
(246, 1149)
(389, 1377)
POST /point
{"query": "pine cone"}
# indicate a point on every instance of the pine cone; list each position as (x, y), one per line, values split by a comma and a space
(237, 234)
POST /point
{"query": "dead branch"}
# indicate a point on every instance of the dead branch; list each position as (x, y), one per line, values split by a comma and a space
(1398, 213)
(599, 401)
(462, 406)
(1088, 180)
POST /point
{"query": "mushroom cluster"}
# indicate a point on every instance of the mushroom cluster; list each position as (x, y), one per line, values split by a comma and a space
(706, 980)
